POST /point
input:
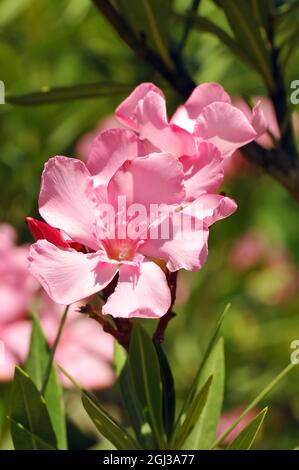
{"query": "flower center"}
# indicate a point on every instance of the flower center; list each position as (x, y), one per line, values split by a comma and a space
(120, 250)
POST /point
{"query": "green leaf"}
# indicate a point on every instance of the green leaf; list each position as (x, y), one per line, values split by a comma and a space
(29, 416)
(68, 93)
(254, 403)
(247, 436)
(248, 34)
(36, 366)
(191, 417)
(168, 391)
(207, 26)
(145, 368)
(129, 397)
(204, 432)
(107, 425)
(210, 347)
(149, 19)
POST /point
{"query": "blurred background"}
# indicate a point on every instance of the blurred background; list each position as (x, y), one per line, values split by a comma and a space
(254, 255)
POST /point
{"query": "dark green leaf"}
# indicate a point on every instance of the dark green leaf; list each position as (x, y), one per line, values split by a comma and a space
(146, 376)
(129, 397)
(29, 416)
(247, 436)
(189, 420)
(36, 366)
(107, 425)
(57, 95)
(168, 391)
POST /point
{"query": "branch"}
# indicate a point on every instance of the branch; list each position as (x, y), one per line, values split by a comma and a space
(177, 78)
(278, 163)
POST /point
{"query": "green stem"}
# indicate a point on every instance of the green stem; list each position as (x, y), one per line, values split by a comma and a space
(53, 351)
(253, 404)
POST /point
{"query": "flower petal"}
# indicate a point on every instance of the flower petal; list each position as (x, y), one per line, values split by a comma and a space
(42, 231)
(203, 95)
(66, 199)
(211, 207)
(225, 126)
(109, 151)
(68, 275)
(128, 109)
(203, 172)
(154, 179)
(184, 248)
(141, 292)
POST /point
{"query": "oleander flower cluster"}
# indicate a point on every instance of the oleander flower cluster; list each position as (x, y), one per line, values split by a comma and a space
(143, 203)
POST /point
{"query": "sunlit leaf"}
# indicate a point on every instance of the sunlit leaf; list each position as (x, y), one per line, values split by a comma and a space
(247, 436)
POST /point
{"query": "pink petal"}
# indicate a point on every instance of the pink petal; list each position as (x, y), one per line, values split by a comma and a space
(258, 119)
(42, 231)
(203, 95)
(211, 207)
(127, 110)
(203, 172)
(184, 248)
(141, 292)
(109, 151)
(154, 179)
(68, 275)
(154, 127)
(225, 126)
(66, 199)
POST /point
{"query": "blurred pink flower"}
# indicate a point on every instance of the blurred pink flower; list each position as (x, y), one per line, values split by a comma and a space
(85, 351)
(228, 418)
(249, 250)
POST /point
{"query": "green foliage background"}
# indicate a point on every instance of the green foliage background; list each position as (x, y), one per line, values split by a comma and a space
(64, 42)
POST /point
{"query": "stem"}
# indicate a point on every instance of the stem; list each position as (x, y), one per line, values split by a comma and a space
(159, 334)
(177, 77)
(253, 404)
(53, 351)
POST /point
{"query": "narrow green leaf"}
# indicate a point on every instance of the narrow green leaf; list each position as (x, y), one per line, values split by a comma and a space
(247, 436)
(254, 403)
(204, 432)
(247, 32)
(23, 436)
(168, 391)
(145, 368)
(129, 397)
(36, 366)
(149, 18)
(211, 344)
(107, 425)
(29, 413)
(68, 93)
(190, 419)
(207, 26)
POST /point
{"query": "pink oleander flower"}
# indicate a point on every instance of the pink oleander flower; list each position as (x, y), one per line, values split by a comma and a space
(178, 165)
(71, 198)
(84, 350)
(207, 116)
